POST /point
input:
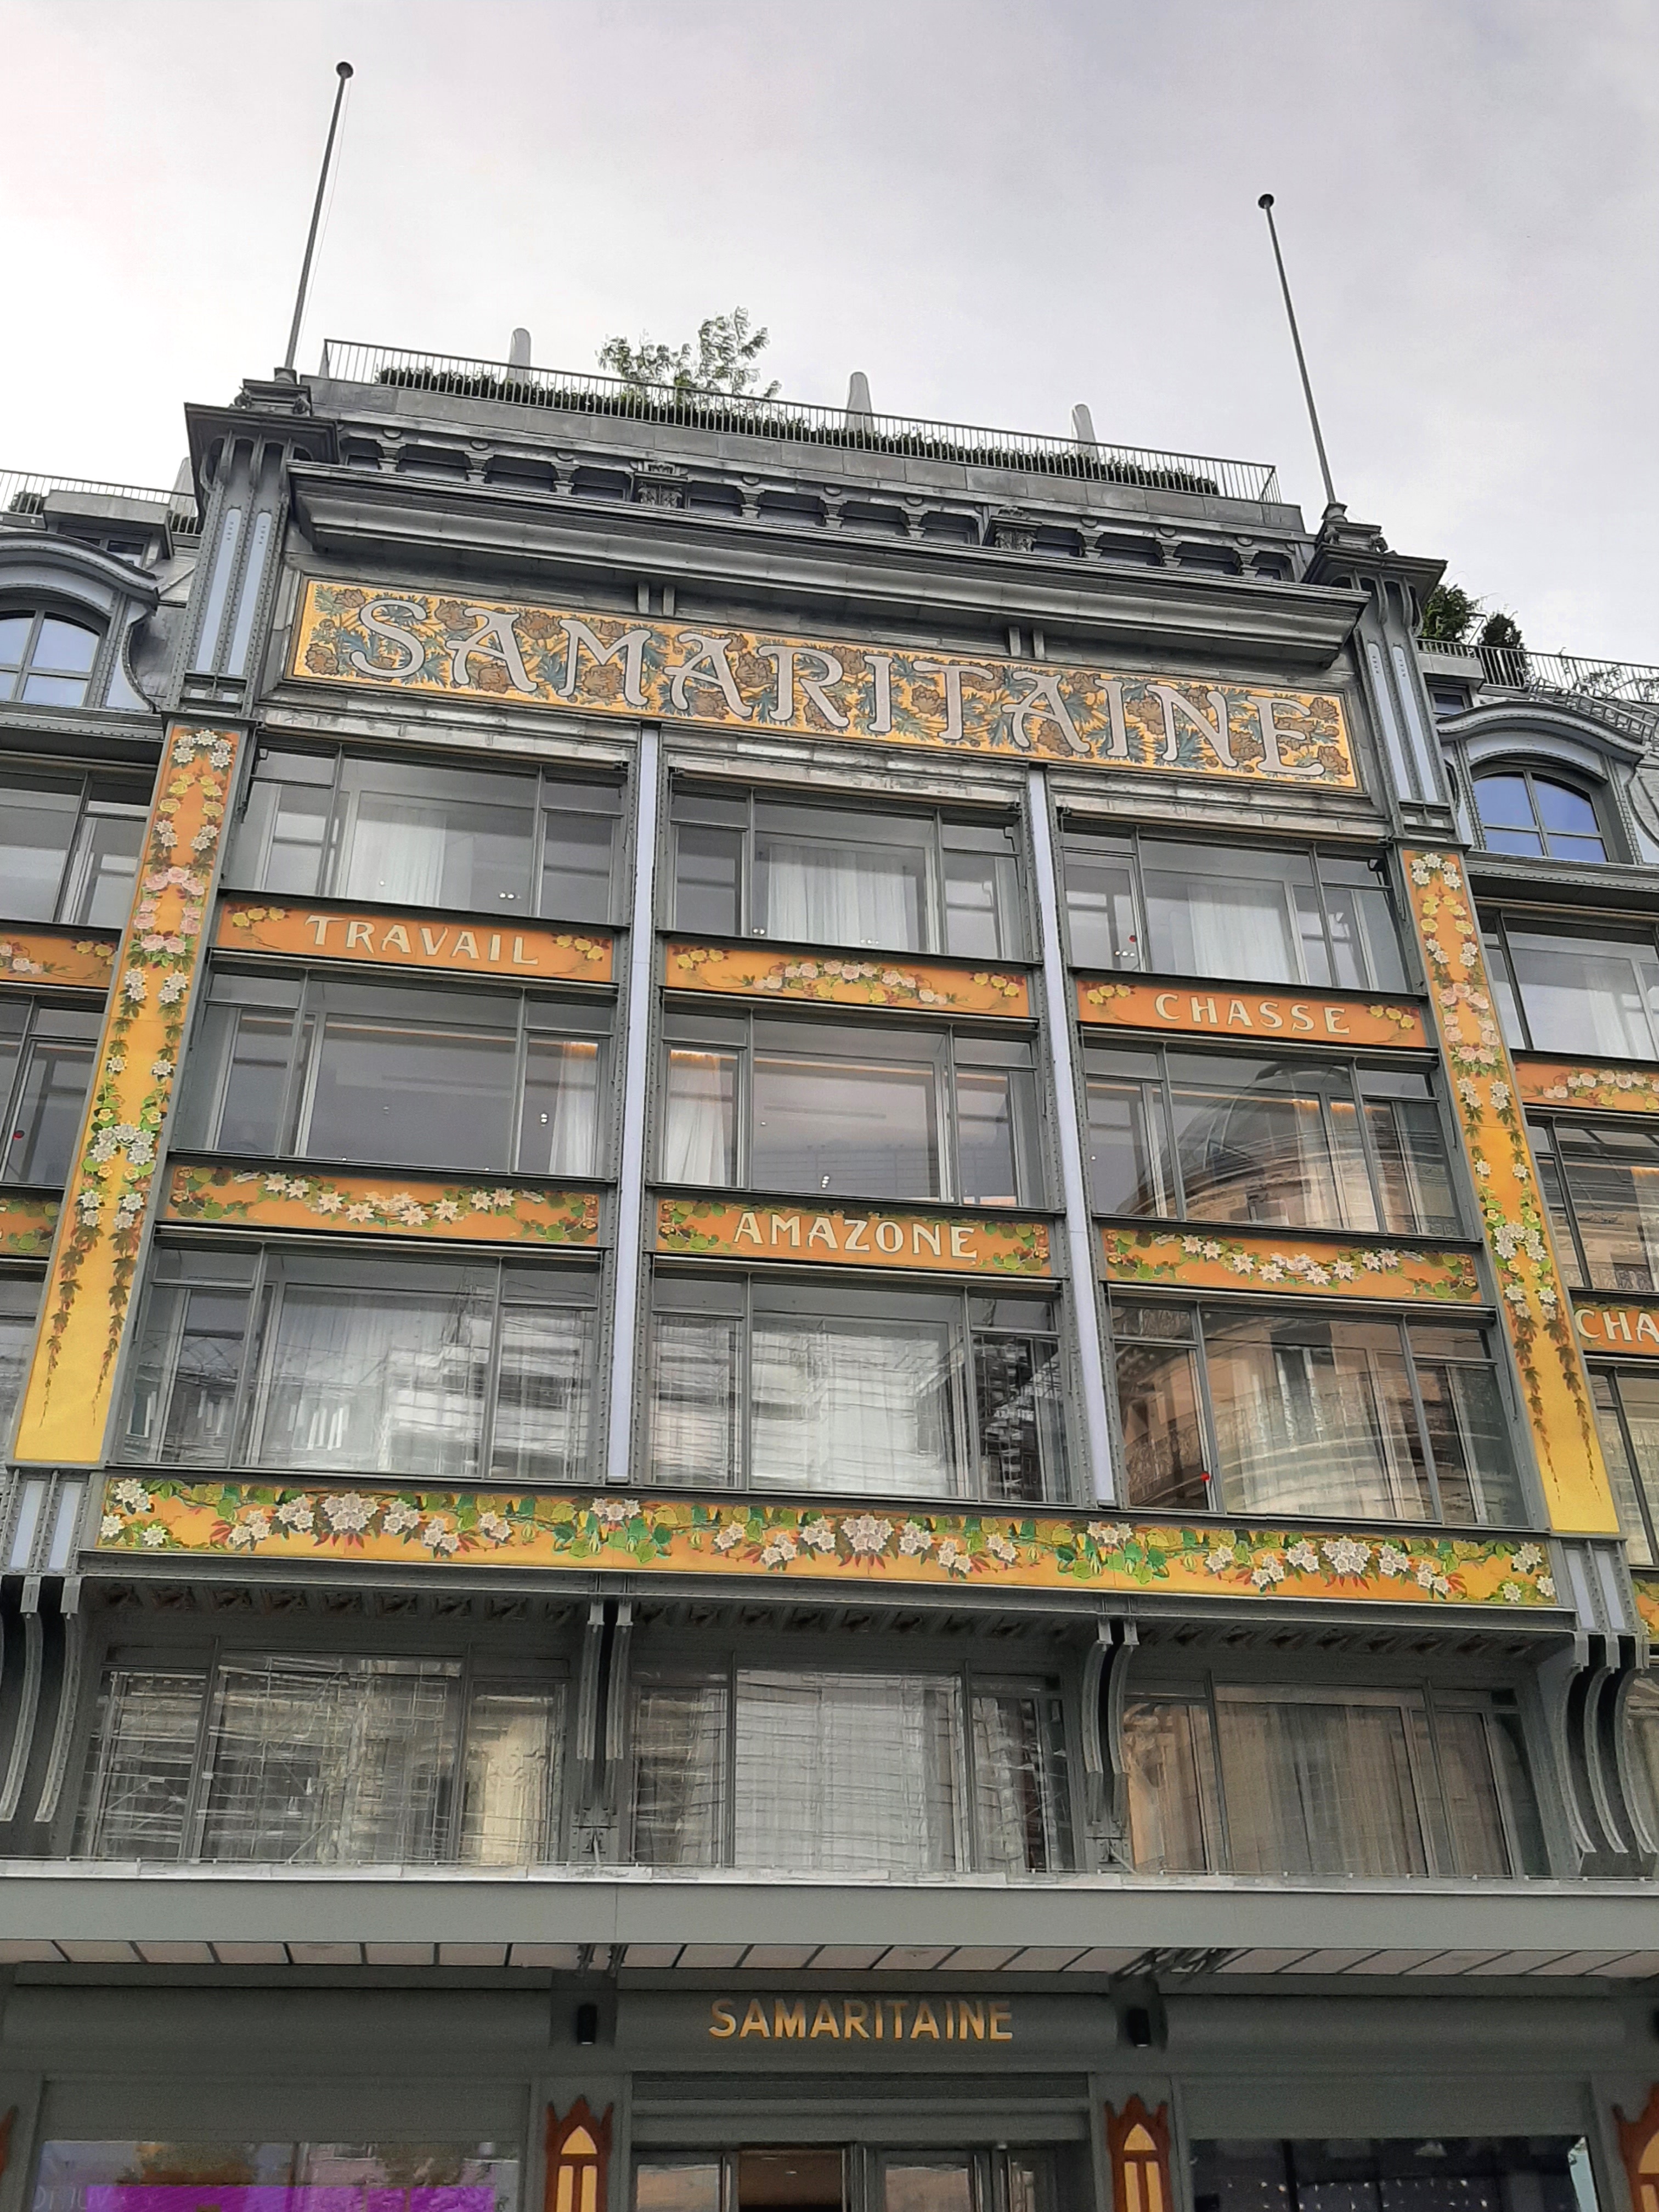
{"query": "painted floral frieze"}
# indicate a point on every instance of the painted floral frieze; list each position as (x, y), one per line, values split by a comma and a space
(1514, 1219)
(1286, 1263)
(1235, 1009)
(277, 1198)
(825, 1543)
(1604, 1089)
(832, 980)
(973, 1244)
(28, 1220)
(66, 962)
(1647, 1602)
(66, 1401)
(426, 941)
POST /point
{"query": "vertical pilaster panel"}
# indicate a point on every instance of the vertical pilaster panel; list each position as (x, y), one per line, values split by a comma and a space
(89, 1283)
(1514, 1219)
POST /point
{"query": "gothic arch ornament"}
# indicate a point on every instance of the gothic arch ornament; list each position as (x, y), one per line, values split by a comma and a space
(578, 2158)
(1638, 2146)
(1138, 2145)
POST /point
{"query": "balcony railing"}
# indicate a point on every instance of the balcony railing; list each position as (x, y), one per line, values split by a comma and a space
(23, 499)
(789, 422)
(1624, 694)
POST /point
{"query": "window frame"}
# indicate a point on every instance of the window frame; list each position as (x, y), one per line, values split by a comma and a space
(12, 1087)
(865, 2160)
(1555, 1184)
(1495, 922)
(73, 616)
(1611, 1371)
(1354, 1065)
(91, 803)
(1530, 773)
(738, 1286)
(1126, 840)
(932, 819)
(537, 776)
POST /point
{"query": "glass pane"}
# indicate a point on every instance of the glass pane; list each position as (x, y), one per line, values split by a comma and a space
(852, 894)
(790, 2181)
(37, 828)
(1613, 1183)
(284, 2176)
(1474, 1816)
(707, 874)
(1468, 1434)
(1413, 1171)
(576, 866)
(143, 1753)
(1255, 1146)
(1561, 808)
(543, 1394)
(1622, 1474)
(1318, 1788)
(1130, 1156)
(1165, 1461)
(20, 1299)
(1021, 1423)
(1100, 906)
(279, 846)
(994, 1108)
(447, 851)
(409, 1094)
(54, 690)
(1213, 912)
(371, 1380)
(832, 1125)
(64, 647)
(668, 2186)
(103, 868)
(50, 1099)
(1022, 1821)
(559, 1127)
(982, 906)
(693, 1399)
(1639, 1396)
(1504, 802)
(1592, 996)
(1314, 1417)
(700, 1123)
(679, 1773)
(332, 1762)
(863, 1405)
(511, 1777)
(14, 640)
(1174, 1816)
(1641, 1746)
(1365, 941)
(184, 1389)
(1553, 1188)
(840, 1773)
(945, 2187)
(1529, 843)
(257, 1041)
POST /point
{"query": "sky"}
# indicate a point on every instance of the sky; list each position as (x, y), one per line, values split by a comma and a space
(994, 210)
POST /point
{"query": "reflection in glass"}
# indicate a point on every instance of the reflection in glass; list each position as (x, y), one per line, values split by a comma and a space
(1156, 1364)
(1627, 1418)
(1595, 996)
(680, 1754)
(838, 1404)
(1174, 1797)
(47, 1094)
(812, 893)
(1317, 1786)
(836, 1126)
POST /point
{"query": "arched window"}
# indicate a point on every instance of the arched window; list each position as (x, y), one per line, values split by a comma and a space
(45, 659)
(1522, 812)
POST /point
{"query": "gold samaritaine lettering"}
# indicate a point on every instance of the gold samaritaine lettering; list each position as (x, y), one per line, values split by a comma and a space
(857, 2020)
(754, 2021)
(823, 2021)
(723, 2022)
(789, 2021)
(1002, 2024)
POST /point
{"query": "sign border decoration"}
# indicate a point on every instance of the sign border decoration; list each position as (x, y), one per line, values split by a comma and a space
(1587, 1090)
(589, 662)
(766, 1229)
(276, 1198)
(1204, 1011)
(1218, 1258)
(817, 979)
(58, 958)
(301, 934)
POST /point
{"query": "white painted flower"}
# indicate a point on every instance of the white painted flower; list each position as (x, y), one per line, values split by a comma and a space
(914, 1541)
(1272, 1273)
(1501, 1095)
(347, 1514)
(444, 1209)
(298, 1514)
(1528, 1557)
(1242, 1263)
(89, 1205)
(1110, 1535)
(479, 1201)
(1440, 1586)
(111, 1525)
(1346, 1556)
(820, 1534)
(615, 1512)
(1211, 1250)
(1269, 1568)
(400, 1518)
(255, 1525)
(780, 1550)
(360, 1212)
(1193, 1244)
(1545, 1585)
(729, 1536)
(866, 1534)
(501, 1200)
(1221, 1558)
(154, 1536)
(1345, 1271)
(1512, 1593)
(276, 1184)
(495, 1527)
(438, 1536)
(161, 1069)
(327, 1201)
(953, 1559)
(116, 1065)
(1000, 1547)
(132, 1495)
(1303, 1557)
(172, 990)
(1483, 1169)
(1450, 876)
(1515, 1296)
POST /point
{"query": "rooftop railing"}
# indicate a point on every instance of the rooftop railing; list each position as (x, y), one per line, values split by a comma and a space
(789, 422)
(23, 498)
(1624, 694)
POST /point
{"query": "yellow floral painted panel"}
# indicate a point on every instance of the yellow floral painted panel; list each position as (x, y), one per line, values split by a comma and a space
(1647, 1602)
(1514, 1217)
(857, 1544)
(276, 1198)
(830, 980)
(1328, 1267)
(89, 1283)
(1622, 1330)
(62, 958)
(1204, 1011)
(416, 940)
(1601, 1090)
(960, 1244)
(27, 1221)
(459, 647)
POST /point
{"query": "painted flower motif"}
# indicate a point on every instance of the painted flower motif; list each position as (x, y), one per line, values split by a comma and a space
(438, 1536)
(296, 1513)
(256, 1525)
(400, 1518)
(444, 1209)
(172, 990)
(819, 1535)
(1425, 1574)
(615, 1512)
(1242, 1263)
(1512, 1593)
(359, 1212)
(154, 1536)
(1269, 1568)
(866, 1534)
(134, 987)
(1001, 1548)
(953, 1559)
(781, 1549)
(914, 1541)
(111, 1526)
(1221, 1558)
(327, 1201)
(347, 1514)
(495, 1527)
(729, 1536)
(1391, 1560)
(1528, 1557)
(132, 1495)
(1110, 1535)
(1303, 1557)
(1546, 1586)
(1346, 1556)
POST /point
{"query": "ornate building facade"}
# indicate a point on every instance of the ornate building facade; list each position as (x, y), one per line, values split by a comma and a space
(829, 1328)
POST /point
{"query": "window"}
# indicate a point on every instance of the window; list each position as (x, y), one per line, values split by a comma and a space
(845, 1772)
(1459, 2174)
(1601, 1186)
(780, 1385)
(406, 833)
(1312, 1144)
(748, 866)
(393, 2176)
(46, 1063)
(322, 1069)
(1641, 1746)
(1576, 991)
(1323, 920)
(69, 849)
(323, 1761)
(365, 1365)
(862, 1110)
(994, 2179)
(44, 661)
(1241, 1411)
(1627, 1416)
(1533, 815)
(20, 1303)
(1279, 1781)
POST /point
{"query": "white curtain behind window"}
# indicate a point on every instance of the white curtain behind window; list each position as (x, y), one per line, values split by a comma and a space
(699, 1132)
(1318, 1788)
(1233, 926)
(397, 852)
(851, 895)
(1589, 998)
(859, 1406)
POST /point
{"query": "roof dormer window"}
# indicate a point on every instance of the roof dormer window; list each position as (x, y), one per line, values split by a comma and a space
(1535, 817)
(44, 661)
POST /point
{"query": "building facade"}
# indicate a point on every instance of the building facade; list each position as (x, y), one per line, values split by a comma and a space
(830, 1325)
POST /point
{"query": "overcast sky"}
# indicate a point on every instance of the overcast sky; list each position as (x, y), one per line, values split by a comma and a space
(993, 209)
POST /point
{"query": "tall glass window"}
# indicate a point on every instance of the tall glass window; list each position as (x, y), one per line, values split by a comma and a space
(749, 865)
(69, 847)
(1547, 2174)
(302, 1760)
(322, 1069)
(1602, 1184)
(860, 1111)
(320, 1364)
(426, 2176)
(20, 1305)
(844, 1773)
(1538, 816)
(45, 659)
(1589, 992)
(1627, 1417)
(1323, 920)
(1275, 1143)
(46, 1064)
(412, 833)
(1277, 1781)
(1238, 1410)
(874, 1393)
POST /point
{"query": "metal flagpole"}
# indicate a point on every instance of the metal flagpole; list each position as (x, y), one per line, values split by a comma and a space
(343, 70)
(1266, 204)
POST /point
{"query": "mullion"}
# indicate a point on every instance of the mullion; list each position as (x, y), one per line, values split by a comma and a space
(1138, 900)
(973, 1486)
(1421, 1418)
(1166, 1091)
(1208, 1705)
(729, 1811)
(745, 1386)
(253, 1396)
(1367, 1148)
(515, 1147)
(538, 851)
(492, 1381)
(1205, 1411)
(969, 1778)
(1642, 1505)
(1569, 1205)
(1325, 925)
(194, 1823)
(341, 803)
(304, 1069)
(948, 1119)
